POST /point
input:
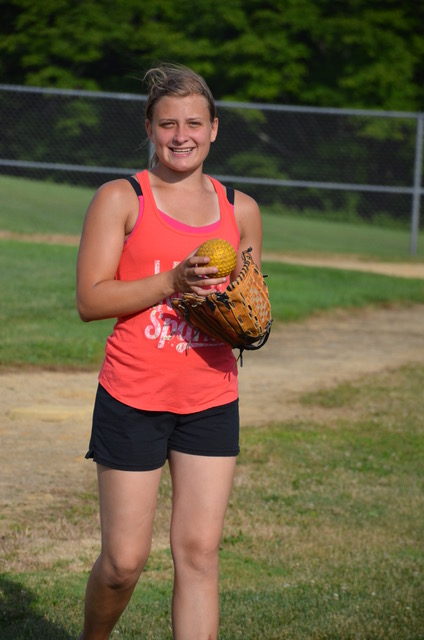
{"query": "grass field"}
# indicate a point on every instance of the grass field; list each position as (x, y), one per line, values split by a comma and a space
(323, 538)
(38, 313)
(291, 234)
(31, 206)
(324, 534)
(41, 326)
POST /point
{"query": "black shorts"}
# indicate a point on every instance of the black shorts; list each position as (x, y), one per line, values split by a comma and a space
(136, 440)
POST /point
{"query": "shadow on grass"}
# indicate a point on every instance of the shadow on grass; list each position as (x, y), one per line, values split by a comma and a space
(18, 618)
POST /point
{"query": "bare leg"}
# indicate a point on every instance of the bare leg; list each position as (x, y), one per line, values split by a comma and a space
(201, 488)
(127, 507)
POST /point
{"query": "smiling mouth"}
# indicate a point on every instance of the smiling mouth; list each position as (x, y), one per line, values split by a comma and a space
(183, 151)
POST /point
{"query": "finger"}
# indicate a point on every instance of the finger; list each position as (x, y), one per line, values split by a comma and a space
(196, 260)
(207, 283)
(203, 272)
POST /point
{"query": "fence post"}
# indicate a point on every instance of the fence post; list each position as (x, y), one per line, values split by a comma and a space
(416, 197)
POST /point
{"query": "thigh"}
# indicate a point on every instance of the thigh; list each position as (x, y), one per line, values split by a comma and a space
(127, 507)
(201, 489)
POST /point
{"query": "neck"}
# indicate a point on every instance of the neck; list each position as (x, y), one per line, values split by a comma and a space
(193, 177)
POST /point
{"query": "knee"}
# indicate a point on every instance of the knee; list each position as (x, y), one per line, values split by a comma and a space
(196, 554)
(122, 572)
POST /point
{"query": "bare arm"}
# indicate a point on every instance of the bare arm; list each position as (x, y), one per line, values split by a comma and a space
(99, 295)
(249, 222)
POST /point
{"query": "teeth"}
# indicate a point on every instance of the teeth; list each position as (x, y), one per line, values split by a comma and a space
(182, 150)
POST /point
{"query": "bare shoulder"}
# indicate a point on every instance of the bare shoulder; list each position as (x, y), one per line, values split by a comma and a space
(246, 210)
(245, 204)
(248, 218)
(117, 191)
(106, 224)
(116, 201)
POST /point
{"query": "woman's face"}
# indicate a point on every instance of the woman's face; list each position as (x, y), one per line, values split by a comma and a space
(181, 131)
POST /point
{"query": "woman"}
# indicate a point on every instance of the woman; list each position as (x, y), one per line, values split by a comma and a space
(165, 391)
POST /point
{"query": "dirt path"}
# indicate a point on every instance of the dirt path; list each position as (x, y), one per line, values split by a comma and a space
(45, 418)
(45, 421)
(399, 269)
(323, 351)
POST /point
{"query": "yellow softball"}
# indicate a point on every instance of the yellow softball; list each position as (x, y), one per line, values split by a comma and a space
(221, 254)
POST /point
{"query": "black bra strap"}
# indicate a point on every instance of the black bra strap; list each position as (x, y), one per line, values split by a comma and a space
(136, 185)
(137, 189)
(230, 195)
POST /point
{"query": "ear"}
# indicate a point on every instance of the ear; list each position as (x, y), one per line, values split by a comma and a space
(214, 129)
(148, 127)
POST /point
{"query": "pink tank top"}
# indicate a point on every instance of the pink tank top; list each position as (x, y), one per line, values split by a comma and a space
(154, 360)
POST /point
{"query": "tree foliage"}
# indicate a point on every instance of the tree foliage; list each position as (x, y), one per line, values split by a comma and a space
(360, 53)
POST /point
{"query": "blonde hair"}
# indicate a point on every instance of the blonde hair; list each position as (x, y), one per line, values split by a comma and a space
(175, 80)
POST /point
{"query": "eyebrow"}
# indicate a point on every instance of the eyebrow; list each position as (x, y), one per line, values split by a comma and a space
(171, 119)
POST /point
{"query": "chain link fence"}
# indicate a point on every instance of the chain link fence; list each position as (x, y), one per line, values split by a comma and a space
(340, 164)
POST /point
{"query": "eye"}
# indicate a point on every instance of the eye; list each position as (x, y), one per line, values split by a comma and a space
(195, 123)
(167, 124)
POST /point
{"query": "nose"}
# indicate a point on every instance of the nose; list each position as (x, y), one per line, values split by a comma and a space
(180, 134)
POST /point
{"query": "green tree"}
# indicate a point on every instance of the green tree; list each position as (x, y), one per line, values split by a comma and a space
(366, 53)
(361, 53)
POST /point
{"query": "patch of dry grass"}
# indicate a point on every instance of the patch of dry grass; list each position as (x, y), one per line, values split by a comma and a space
(323, 537)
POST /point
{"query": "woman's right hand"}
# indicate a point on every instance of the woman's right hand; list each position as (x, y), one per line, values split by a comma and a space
(194, 275)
